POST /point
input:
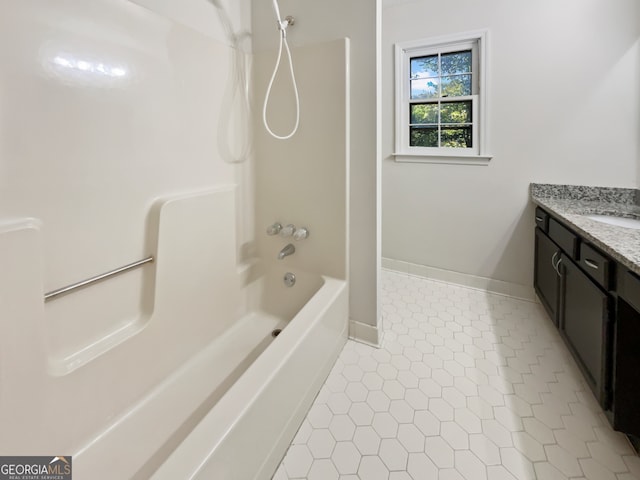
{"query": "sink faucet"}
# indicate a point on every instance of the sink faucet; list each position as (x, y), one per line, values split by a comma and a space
(289, 249)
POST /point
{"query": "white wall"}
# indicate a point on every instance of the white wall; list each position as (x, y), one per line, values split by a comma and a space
(318, 22)
(564, 99)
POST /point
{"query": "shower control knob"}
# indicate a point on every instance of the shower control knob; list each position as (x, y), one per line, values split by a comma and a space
(287, 231)
(274, 229)
(301, 234)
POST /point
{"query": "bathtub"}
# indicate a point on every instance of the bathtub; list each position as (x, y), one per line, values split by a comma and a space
(246, 433)
(231, 411)
(195, 386)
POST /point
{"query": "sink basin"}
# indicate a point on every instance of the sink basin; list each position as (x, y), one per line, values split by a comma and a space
(617, 221)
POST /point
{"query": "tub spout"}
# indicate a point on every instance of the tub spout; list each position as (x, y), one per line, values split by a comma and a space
(286, 251)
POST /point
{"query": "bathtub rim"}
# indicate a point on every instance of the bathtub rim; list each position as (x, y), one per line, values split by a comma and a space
(193, 453)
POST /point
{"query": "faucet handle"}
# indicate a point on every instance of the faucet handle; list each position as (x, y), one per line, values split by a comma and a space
(301, 233)
(274, 229)
(288, 230)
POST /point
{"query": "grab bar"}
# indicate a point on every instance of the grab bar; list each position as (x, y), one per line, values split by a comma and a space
(54, 293)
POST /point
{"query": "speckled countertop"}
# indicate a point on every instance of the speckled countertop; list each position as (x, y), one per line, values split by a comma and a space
(569, 204)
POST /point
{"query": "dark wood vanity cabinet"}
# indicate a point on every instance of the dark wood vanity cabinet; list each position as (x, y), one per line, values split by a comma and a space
(595, 303)
(578, 303)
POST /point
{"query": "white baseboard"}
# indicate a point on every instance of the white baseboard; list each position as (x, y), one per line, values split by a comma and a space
(364, 333)
(524, 292)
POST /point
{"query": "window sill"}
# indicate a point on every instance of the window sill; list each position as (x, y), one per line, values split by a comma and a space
(455, 159)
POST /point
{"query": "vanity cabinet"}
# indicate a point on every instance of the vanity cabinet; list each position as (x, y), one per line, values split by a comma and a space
(571, 279)
(595, 303)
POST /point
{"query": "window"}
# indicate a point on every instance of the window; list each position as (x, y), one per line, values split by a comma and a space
(441, 100)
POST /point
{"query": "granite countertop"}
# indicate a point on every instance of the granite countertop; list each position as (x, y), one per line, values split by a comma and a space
(569, 204)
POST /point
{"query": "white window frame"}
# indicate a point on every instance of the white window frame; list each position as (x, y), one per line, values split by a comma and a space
(478, 154)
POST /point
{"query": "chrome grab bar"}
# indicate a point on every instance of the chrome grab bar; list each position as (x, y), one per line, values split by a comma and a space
(54, 293)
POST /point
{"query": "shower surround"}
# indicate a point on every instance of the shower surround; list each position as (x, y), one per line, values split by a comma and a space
(125, 135)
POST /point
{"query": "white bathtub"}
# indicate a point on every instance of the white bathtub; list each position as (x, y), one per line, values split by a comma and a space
(231, 411)
(194, 387)
(243, 432)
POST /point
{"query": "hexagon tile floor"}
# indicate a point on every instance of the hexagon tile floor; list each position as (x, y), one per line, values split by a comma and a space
(468, 385)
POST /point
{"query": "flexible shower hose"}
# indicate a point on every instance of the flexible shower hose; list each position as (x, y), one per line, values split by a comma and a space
(283, 42)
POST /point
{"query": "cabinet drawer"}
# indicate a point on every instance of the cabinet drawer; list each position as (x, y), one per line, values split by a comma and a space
(564, 237)
(596, 265)
(542, 219)
(629, 288)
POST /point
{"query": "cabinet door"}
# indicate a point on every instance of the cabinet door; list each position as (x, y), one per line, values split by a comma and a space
(584, 326)
(546, 280)
(626, 394)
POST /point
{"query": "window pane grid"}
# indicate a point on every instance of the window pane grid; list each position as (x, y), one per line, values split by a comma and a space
(440, 100)
(441, 124)
(448, 136)
(441, 75)
(432, 77)
(441, 112)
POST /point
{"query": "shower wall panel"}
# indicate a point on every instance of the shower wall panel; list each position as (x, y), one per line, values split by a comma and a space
(106, 109)
(303, 180)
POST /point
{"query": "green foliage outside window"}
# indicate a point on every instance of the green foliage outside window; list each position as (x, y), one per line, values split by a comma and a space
(439, 121)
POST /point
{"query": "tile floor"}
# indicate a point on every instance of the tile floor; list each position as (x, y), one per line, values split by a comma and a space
(467, 385)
